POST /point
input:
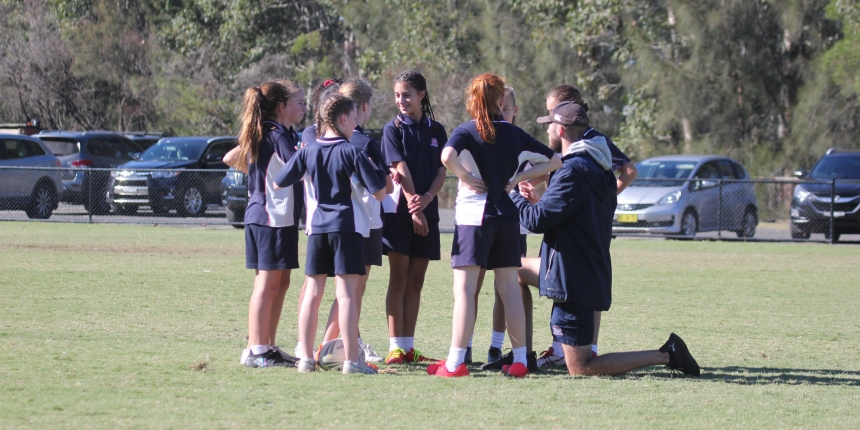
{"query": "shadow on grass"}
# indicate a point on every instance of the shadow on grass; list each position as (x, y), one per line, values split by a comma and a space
(740, 375)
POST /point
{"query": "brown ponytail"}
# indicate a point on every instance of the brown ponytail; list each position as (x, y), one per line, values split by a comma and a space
(482, 103)
(258, 104)
(332, 107)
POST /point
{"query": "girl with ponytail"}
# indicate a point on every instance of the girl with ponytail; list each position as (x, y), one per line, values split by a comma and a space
(411, 146)
(484, 154)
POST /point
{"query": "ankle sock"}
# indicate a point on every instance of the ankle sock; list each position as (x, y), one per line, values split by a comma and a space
(408, 343)
(299, 350)
(472, 336)
(520, 355)
(394, 343)
(594, 348)
(497, 340)
(557, 349)
(456, 356)
(259, 349)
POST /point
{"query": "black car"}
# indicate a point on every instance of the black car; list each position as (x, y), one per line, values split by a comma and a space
(143, 139)
(88, 149)
(159, 179)
(811, 202)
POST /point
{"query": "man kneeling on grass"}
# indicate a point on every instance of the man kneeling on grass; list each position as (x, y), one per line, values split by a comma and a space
(575, 215)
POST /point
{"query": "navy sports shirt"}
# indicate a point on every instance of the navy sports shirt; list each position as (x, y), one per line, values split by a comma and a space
(619, 159)
(309, 135)
(337, 175)
(369, 145)
(266, 205)
(495, 164)
(419, 145)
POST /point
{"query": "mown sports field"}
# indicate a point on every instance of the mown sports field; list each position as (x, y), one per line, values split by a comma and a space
(124, 326)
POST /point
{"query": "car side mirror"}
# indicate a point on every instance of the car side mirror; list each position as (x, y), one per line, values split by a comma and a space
(701, 185)
(801, 174)
(136, 155)
(214, 158)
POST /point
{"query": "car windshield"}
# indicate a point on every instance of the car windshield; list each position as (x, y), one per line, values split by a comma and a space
(837, 167)
(61, 147)
(657, 173)
(174, 151)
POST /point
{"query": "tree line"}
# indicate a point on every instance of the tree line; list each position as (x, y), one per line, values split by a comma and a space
(772, 83)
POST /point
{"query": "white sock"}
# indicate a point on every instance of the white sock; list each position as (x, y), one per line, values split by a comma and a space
(520, 355)
(498, 339)
(259, 349)
(594, 348)
(360, 342)
(470, 339)
(393, 343)
(557, 349)
(456, 357)
(408, 343)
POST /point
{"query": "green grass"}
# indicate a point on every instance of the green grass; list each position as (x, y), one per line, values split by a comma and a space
(127, 326)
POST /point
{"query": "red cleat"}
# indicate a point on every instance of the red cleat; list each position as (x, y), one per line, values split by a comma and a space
(439, 369)
(414, 356)
(516, 370)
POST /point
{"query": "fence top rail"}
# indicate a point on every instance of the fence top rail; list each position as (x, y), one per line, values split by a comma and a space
(109, 169)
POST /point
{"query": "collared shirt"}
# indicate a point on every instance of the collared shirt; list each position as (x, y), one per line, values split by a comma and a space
(267, 206)
(337, 176)
(418, 144)
(369, 145)
(495, 164)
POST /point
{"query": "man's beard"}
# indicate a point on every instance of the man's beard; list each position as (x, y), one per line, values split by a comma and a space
(555, 144)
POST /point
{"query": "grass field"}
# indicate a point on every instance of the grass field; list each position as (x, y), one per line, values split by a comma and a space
(119, 326)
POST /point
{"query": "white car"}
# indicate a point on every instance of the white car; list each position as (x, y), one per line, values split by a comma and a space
(30, 176)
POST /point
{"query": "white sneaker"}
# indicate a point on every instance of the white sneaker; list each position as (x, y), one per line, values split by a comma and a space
(361, 367)
(245, 353)
(548, 358)
(307, 365)
(369, 354)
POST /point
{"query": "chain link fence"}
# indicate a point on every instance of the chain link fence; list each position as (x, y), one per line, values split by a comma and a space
(779, 209)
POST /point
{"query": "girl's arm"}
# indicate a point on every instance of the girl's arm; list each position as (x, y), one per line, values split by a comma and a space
(538, 170)
(450, 160)
(628, 174)
(419, 203)
(232, 159)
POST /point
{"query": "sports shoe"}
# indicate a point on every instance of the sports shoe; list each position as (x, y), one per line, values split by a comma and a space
(549, 359)
(516, 370)
(287, 357)
(494, 354)
(531, 361)
(306, 365)
(414, 356)
(497, 364)
(396, 356)
(369, 354)
(358, 368)
(680, 358)
(245, 353)
(439, 369)
(468, 357)
(270, 358)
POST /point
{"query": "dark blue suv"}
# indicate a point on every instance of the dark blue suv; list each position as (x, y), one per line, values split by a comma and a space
(811, 202)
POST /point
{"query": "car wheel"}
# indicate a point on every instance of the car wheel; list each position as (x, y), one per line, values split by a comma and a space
(748, 224)
(235, 218)
(836, 235)
(192, 202)
(797, 233)
(123, 209)
(41, 203)
(689, 224)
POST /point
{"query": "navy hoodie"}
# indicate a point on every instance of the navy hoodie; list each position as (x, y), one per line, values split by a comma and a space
(575, 215)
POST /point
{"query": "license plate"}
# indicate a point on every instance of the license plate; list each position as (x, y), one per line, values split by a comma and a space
(838, 214)
(628, 218)
(138, 191)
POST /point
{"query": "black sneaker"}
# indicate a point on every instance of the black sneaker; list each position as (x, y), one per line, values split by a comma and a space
(679, 356)
(291, 361)
(468, 359)
(494, 354)
(497, 364)
(531, 361)
(270, 358)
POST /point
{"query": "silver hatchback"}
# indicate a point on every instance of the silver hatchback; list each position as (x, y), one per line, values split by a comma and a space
(686, 194)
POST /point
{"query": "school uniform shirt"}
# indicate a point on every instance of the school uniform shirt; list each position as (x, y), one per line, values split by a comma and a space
(418, 144)
(266, 205)
(309, 135)
(619, 159)
(369, 145)
(337, 176)
(495, 164)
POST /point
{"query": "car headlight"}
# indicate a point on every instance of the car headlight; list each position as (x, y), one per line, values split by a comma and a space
(801, 194)
(670, 198)
(167, 174)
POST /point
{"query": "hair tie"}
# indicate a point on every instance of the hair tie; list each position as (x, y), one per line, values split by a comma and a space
(259, 91)
(329, 82)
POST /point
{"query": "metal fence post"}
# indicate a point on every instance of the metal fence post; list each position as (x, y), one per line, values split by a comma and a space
(88, 178)
(832, 207)
(720, 211)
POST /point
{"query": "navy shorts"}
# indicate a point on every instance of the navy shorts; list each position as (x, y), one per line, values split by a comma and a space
(489, 246)
(335, 254)
(271, 248)
(373, 248)
(524, 244)
(399, 236)
(572, 324)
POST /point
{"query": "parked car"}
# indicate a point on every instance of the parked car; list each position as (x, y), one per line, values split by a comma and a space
(156, 179)
(680, 194)
(234, 196)
(143, 139)
(88, 149)
(34, 191)
(810, 204)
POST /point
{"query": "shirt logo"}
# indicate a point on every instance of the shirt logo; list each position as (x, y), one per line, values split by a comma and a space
(434, 142)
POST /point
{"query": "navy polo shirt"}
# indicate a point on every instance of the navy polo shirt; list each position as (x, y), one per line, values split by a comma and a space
(619, 159)
(337, 175)
(309, 135)
(369, 145)
(419, 145)
(266, 205)
(495, 164)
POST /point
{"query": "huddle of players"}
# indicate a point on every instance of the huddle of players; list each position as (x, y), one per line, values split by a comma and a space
(363, 200)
